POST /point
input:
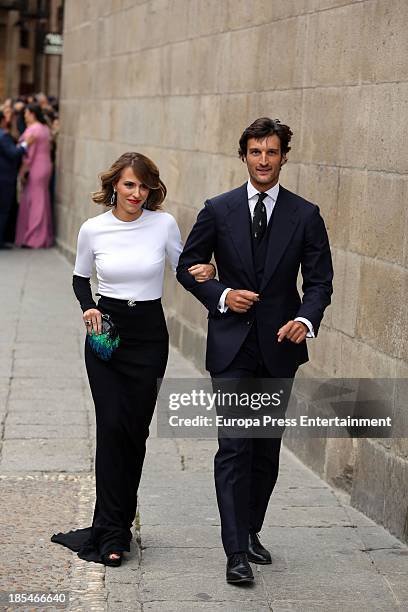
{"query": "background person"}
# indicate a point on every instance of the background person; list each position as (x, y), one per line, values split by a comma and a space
(10, 157)
(19, 108)
(34, 221)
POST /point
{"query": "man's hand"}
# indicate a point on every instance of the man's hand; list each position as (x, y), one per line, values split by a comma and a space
(293, 330)
(241, 300)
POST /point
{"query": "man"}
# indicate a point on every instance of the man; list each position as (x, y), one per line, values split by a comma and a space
(10, 156)
(260, 234)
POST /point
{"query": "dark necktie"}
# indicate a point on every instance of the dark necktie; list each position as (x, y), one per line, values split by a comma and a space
(259, 220)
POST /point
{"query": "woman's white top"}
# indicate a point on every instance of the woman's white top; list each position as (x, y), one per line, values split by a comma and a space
(129, 255)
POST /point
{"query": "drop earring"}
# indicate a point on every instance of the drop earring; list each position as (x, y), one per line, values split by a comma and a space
(113, 198)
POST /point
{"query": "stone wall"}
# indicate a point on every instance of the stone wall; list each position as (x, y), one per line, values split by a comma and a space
(180, 79)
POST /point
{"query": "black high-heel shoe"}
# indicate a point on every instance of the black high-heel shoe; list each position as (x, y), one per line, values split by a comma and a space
(112, 562)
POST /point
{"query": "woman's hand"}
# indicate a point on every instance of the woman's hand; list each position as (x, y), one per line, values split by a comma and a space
(93, 321)
(202, 272)
(23, 175)
(30, 139)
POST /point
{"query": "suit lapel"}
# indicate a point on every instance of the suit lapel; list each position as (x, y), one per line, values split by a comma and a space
(238, 223)
(284, 223)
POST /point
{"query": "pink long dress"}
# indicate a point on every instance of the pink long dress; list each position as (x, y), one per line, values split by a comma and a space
(34, 221)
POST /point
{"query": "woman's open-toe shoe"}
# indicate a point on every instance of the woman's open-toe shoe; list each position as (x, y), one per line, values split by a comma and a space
(107, 559)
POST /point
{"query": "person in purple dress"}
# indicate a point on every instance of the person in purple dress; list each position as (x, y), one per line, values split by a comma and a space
(34, 222)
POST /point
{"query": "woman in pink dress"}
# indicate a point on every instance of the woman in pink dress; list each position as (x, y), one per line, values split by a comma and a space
(34, 222)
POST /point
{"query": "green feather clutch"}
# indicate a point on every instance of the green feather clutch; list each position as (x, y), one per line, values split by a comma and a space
(105, 344)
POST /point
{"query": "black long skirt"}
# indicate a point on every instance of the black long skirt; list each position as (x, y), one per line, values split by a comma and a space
(124, 391)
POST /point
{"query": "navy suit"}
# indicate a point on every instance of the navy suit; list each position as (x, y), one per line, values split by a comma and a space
(10, 157)
(245, 345)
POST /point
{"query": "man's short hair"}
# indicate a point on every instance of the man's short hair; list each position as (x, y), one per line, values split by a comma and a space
(260, 129)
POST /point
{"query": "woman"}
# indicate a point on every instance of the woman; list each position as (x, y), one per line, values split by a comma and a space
(128, 244)
(34, 225)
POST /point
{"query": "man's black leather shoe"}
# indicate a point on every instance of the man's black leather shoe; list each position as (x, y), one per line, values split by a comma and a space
(238, 569)
(256, 552)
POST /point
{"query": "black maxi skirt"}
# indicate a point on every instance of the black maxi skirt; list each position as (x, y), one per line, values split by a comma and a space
(124, 391)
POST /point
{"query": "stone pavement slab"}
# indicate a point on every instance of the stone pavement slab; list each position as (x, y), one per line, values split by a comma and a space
(23, 431)
(45, 455)
(36, 506)
(45, 414)
(327, 556)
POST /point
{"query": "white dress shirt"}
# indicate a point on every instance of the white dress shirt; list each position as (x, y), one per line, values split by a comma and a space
(269, 201)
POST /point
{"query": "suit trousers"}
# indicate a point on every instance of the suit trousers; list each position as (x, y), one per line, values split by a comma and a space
(245, 469)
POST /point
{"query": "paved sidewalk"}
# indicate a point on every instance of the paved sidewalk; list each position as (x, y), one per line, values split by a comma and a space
(327, 556)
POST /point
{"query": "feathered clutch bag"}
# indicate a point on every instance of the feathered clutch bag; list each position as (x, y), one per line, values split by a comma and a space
(105, 344)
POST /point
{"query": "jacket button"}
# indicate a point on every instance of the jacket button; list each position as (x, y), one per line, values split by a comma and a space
(249, 322)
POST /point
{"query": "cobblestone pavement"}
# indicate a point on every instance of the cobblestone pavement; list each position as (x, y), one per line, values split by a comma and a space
(327, 556)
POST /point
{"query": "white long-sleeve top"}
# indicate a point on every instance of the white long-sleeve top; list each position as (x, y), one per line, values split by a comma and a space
(129, 255)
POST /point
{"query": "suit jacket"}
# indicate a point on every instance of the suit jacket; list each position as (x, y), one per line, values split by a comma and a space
(10, 156)
(297, 238)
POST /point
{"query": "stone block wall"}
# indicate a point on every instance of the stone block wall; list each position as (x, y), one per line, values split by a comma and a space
(180, 79)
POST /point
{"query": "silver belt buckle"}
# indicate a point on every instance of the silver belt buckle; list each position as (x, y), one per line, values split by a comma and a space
(132, 303)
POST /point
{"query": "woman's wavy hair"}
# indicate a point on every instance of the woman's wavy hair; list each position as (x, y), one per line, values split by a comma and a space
(144, 169)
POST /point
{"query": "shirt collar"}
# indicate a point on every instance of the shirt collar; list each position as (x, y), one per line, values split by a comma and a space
(272, 192)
